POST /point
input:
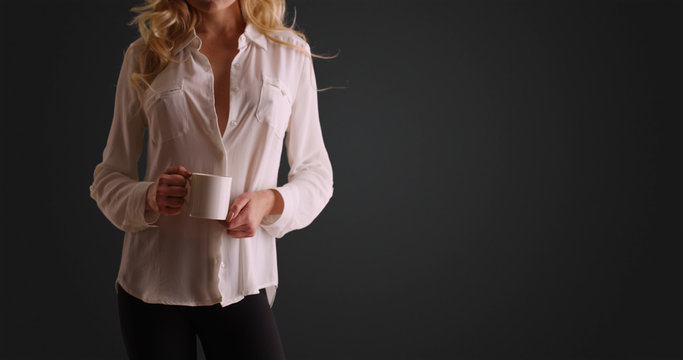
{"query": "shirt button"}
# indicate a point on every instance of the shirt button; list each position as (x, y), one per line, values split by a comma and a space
(222, 265)
(235, 88)
(233, 123)
(237, 65)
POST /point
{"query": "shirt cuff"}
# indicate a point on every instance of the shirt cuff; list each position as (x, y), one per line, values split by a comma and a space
(137, 216)
(151, 216)
(276, 225)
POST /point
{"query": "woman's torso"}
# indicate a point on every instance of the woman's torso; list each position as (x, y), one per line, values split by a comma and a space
(250, 92)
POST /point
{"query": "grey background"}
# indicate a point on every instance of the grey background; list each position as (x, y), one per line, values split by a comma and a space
(507, 182)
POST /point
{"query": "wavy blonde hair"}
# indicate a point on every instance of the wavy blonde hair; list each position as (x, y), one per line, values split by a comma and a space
(165, 24)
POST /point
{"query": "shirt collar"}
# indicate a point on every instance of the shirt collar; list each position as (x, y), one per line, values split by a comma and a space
(255, 36)
(250, 34)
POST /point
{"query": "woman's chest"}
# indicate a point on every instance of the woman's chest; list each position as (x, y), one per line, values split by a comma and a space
(243, 89)
(220, 61)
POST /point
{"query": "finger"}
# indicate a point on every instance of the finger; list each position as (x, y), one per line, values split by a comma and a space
(172, 179)
(240, 234)
(172, 202)
(246, 227)
(172, 191)
(237, 206)
(166, 210)
(180, 170)
(170, 207)
(234, 224)
(186, 173)
(165, 194)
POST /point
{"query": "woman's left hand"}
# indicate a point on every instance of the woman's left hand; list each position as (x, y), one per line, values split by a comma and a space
(247, 211)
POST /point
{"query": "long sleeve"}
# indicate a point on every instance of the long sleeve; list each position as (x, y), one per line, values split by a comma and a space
(310, 184)
(116, 188)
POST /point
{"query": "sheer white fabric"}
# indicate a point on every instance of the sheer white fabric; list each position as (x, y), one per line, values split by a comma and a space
(186, 261)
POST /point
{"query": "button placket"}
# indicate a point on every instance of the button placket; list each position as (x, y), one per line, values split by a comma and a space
(234, 80)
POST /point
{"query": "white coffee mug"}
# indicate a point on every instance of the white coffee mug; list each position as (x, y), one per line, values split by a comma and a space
(209, 196)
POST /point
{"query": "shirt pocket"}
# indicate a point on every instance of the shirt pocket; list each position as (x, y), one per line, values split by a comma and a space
(274, 106)
(167, 112)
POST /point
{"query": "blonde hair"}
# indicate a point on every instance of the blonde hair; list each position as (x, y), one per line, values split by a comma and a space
(165, 24)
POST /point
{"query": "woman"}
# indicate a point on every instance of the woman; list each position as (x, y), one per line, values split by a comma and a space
(218, 85)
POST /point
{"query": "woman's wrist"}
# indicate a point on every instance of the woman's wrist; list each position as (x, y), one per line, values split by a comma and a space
(275, 202)
(151, 198)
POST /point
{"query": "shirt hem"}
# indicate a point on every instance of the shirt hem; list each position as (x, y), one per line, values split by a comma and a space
(166, 302)
(248, 292)
(218, 300)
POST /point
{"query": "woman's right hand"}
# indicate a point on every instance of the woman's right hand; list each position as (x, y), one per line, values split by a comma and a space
(167, 194)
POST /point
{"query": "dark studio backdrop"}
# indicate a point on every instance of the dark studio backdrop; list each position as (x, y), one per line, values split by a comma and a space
(507, 182)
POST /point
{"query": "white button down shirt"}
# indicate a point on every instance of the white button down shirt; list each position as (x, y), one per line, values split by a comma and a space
(182, 260)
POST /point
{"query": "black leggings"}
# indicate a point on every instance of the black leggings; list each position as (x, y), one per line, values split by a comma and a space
(244, 330)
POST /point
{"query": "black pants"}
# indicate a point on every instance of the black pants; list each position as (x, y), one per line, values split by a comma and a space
(244, 330)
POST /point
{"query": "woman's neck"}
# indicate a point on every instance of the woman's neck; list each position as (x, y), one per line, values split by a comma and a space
(226, 22)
